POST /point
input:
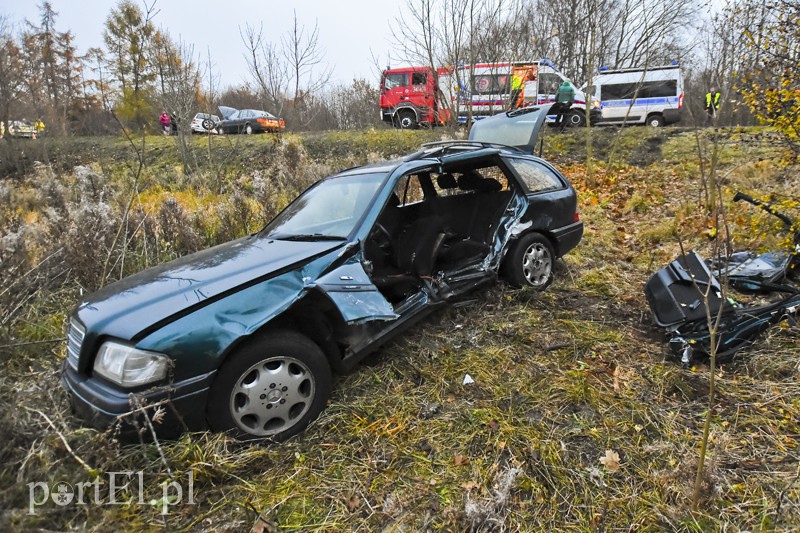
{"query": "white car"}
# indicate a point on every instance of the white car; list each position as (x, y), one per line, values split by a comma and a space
(203, 123)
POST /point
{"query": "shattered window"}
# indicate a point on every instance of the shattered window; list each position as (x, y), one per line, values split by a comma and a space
(535, 175)
(470, 181)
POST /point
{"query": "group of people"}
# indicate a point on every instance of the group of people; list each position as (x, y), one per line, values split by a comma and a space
(565, 97)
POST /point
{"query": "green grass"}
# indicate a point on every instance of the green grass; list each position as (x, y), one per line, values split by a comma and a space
(560, 376)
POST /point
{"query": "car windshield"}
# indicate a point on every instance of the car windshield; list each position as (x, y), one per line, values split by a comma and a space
(328, 211)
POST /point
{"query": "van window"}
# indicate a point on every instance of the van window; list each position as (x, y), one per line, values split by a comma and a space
(491, 84)
(419, 78)
(395, 80)
(549, 83)
(536, 176)
(647, 89)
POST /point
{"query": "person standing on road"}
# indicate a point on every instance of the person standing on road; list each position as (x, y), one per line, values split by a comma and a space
(712, 104)
(565, 96)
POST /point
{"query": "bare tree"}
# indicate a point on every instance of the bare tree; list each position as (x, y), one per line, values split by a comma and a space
(178, 83)
(303, 54)
(11, 73)
(268, 69)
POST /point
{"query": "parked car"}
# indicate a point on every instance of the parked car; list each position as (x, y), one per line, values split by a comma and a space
(204, 123)
(21, 128)
(243, 337)
(248, 121)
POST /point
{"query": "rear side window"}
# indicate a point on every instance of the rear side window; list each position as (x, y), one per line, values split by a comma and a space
(536, 176)
(647, 89)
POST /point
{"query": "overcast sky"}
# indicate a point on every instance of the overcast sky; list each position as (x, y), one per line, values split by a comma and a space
(348, 29)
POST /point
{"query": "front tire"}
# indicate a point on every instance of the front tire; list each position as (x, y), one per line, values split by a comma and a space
(576, 118)
(270, 389)
(530, 262)
(407, 120)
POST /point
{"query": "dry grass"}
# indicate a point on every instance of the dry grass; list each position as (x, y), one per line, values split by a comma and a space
(559, 378)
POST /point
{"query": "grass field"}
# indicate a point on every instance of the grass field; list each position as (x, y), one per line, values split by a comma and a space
(562, 379)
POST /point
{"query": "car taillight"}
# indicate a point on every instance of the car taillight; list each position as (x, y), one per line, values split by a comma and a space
(680, 101)
(577, 217)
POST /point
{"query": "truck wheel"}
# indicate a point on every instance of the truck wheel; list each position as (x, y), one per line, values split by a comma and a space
(656, 121)
(407, 120)
(576, 118)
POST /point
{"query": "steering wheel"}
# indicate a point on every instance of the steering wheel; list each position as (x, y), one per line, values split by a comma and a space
(381, 237)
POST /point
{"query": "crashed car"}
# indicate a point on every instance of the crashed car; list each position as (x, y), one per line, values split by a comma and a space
(248, 121)
(243, 337)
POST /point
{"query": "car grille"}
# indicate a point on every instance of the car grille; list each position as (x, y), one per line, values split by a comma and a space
(74, 341)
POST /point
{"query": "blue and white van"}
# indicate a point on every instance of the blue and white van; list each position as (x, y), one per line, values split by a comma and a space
(652, 96)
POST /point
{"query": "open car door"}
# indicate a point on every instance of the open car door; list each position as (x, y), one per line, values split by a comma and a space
(226, 111)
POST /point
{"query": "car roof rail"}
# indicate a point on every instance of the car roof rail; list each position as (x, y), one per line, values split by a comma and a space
(455, 145)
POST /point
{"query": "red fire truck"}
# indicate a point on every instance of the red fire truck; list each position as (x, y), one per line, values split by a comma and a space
(411, 96)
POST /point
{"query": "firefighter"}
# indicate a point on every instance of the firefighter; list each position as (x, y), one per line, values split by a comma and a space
(565, 96)
(712, 104)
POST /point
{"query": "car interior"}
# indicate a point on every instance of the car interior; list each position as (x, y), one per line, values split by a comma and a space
(436, 222)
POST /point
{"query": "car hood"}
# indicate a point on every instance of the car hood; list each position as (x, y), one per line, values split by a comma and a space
(518, 128)
(134, 304)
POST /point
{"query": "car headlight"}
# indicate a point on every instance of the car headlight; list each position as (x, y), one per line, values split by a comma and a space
(128, 366)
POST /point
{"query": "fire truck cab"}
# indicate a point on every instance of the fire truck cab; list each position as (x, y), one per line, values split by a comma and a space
(410, 97)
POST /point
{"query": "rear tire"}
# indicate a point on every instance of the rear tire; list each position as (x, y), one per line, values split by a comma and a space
(656, 121)
(248, 129)
(530, 262)
(270, 389)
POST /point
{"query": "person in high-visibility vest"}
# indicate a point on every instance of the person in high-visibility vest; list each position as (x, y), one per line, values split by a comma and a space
(516, 91)
(712, 103)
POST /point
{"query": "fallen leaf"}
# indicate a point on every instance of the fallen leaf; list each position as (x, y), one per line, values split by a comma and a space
(459, 460)
(611, 461)
(616, 380)
(494, 425)
(469, 485)
(353, 503)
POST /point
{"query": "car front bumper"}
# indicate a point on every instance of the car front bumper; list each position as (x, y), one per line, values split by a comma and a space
(103, 405)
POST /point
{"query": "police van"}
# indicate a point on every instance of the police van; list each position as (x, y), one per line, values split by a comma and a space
(652, 96)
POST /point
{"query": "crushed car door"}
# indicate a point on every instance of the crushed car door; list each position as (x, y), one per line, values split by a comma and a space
(357, 298)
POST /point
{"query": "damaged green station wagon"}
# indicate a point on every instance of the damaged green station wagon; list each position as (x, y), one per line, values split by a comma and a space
(243, 337)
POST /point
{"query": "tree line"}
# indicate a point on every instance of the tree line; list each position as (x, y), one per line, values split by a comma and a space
(747, 49)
